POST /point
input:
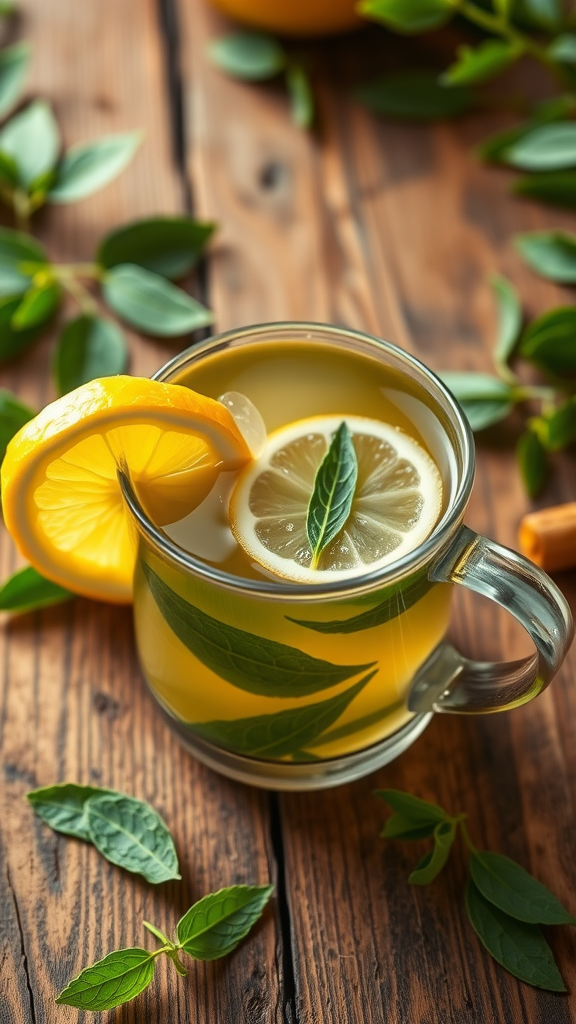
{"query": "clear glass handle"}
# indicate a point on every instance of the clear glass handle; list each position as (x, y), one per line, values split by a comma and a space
(448, 681)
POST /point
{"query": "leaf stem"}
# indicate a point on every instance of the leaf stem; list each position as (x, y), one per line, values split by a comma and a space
(461, 819)
(76, 289)
(499, 26)
(157, 933)
(21, 206)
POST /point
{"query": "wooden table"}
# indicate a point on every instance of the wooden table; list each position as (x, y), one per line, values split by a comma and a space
(380, 226)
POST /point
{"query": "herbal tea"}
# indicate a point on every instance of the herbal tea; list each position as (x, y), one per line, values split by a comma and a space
(283, 679)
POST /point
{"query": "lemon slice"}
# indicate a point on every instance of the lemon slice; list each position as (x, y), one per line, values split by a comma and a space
(396, 504)
(60, 492)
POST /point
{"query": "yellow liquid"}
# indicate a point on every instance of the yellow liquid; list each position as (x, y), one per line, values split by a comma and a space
(212, 655)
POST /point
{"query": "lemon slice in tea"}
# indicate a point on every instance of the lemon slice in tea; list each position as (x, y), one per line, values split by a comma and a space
(396, 503)
(61, 496)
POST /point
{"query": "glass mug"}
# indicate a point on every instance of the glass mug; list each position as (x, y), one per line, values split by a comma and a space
(305, 686)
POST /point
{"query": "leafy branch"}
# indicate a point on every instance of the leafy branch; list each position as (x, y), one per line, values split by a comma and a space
(504, 903)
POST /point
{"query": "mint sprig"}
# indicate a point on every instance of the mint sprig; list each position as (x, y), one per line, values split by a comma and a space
(211, 929)
(504, 903)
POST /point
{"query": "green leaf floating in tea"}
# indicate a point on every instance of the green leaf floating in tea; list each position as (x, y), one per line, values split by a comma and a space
(334, 488)
(252, 663)
(282, 733)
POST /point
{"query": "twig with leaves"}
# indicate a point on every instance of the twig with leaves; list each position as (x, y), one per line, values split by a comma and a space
(505, 905)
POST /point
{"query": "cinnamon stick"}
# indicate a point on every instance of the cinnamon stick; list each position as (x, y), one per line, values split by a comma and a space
(548, 537)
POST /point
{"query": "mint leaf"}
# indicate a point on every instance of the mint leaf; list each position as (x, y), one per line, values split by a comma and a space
(13, 341)
(37, 307)
(86, 168)
(132, 835)
(399, 597)
(398, 827)
(26, 591)
(32, 139)
(519, 947)
(550, 341)
(509, 320)
(552, 254)
(557, 430)
(14, 62)
(413, 17)
(412, 808)
(281, 733)
(252, 56)
(358, 724)
(62, 807)
(215, 925)
(333, 494)
(484, 399)
(548, 147)
(508, 886)
(487, 60)
(413, 96)
(532, 462)
(88, 347)
(430, 867)
(170, 246)
(116, 979)
(151, 303)
(250, 662)
(557, 188)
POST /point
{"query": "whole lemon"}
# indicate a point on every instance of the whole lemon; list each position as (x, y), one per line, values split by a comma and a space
(293, 17)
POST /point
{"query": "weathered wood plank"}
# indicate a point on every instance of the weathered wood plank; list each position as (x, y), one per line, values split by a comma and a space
(74, 706)
(393, 228)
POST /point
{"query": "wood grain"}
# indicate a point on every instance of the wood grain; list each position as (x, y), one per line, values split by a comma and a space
(73, 703)
(395, 228)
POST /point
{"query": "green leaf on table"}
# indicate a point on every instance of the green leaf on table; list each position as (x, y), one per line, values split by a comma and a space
(252, 56)
(88, 347)
(109, 982)
(532, 462)
(430, 867)
(556, 109)
(413, 17)
(32, 139)
(546, 14)
(215, 925)
(334, 488)
(509, 320)
(398, 827)
(13, 415)
(12, 341)
(412, 808)
(131, 834)
(170, 246)
(21, 257)
(281, 733)
(563, 48)
(151, 303)
(508, 886)
(484, 399)
(557, 430)
(547, 147)
(27, 591)
(482, 63)
(38, 305)
(14, 62)
(301, 96)
(63, 807)
(557, 188)
(551, 254)
(88, 167)
(519, 947)
(250, 662)
(550, 341)
(399, 597)
(414, 96)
